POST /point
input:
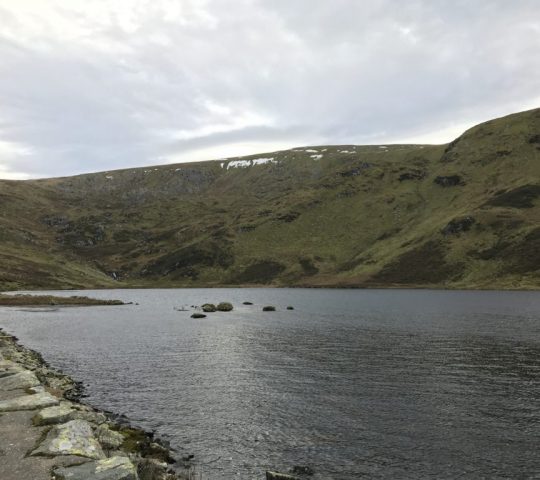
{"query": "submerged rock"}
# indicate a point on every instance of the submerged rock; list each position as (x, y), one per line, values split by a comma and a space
(290, 308)
(71, 438)
(208, 307)
(247, 303)
(302, 470)
(114, 468)
(224, 307)
(20, 380)
(28, 402)
(269, 308)
(198, 315)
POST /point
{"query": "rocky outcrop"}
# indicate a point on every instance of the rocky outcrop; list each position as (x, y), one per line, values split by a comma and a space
(458, 225)
(449, 180)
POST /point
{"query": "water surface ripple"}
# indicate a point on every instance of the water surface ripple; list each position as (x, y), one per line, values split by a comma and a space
(355, 384)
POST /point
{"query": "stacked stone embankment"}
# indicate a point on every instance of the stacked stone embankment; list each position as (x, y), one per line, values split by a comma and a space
(46, 434)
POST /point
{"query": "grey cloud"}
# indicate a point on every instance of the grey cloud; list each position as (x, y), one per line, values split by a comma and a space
(111, 95)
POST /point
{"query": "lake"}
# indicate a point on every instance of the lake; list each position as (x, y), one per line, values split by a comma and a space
(353, 383)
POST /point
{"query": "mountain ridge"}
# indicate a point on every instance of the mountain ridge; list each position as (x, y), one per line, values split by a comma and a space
(460, 215)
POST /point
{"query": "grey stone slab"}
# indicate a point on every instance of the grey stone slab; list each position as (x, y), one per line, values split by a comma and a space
(28, 402)
(114, 468)
(72, 438)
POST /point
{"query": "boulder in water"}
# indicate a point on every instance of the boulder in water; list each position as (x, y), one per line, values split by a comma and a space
(208, 307)
(224, 307)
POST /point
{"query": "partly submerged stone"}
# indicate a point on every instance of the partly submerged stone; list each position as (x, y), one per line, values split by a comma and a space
(108, 438)
(72, 438)
(28, 402)
(224, 307)
(280, 476)
(20, 380)
(208, 307)
(269, 308)
(114, 468)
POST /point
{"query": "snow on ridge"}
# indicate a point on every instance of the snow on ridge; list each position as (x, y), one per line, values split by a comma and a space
(238, 164)
(263, 160)
(249, 163)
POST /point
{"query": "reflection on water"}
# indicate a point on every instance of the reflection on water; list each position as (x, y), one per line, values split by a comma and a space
(374, 384)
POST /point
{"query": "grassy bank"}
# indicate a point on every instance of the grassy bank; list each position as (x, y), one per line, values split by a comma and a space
(47, 300)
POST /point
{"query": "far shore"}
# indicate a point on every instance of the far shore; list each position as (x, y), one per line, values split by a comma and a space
(26, 300)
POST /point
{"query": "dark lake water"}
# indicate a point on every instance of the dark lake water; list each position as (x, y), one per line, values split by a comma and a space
(354, 383)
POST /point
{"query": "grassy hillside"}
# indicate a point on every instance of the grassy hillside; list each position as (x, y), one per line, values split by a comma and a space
(462, 215)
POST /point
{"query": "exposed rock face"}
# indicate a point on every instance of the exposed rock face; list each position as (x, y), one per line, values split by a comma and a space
(28, 402)
(449, 181)
(20, 380)
(114, 468)
(71, 438)
(458, 225)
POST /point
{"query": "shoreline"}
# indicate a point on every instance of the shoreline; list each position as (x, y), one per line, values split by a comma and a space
(40, 407)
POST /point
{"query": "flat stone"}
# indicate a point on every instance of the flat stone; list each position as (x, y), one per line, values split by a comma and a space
(21, 380)
(52, 415)
(17, 437)
(108, 438)
(114, 468)
(72, 438)
(28, 402)
(7, 367)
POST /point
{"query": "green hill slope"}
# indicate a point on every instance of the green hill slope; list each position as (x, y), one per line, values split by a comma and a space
(462, 215)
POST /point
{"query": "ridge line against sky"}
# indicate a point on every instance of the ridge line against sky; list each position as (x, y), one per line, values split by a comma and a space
(95, 85)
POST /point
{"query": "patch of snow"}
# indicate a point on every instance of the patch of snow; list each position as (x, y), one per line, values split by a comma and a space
(109, 177)
(239, 164)
(312, 151)
(222, 164)
(345, 151)
(383, 146)
(262, 160)
(316, 157)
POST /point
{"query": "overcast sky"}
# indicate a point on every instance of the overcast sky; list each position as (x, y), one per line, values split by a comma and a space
(97, 85)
